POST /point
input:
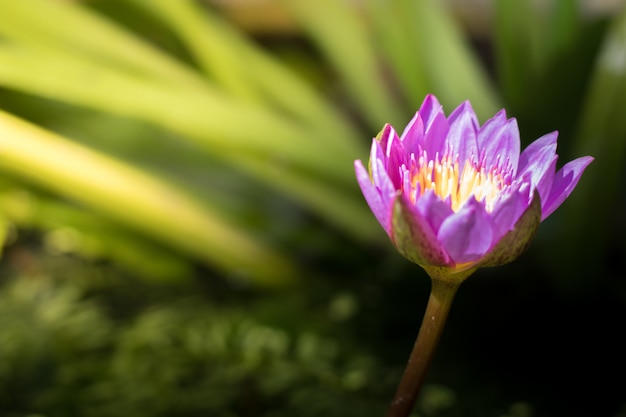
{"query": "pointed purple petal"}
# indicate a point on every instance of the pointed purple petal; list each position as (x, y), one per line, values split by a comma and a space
(543, 181)
(381, 180)
(429, 109)
(413, 236)
(538, 152)
(382, 144)
(468, 234)
(376, 154)
(377, 202)
(487, 131)
(510, 246)
(508, 211)
(462, 134)
(436, 135)
(392, 140)
(413, 134)
(385, 144)
(435, 126)
(433, 208)
(564, 183)
(499, 139)
(396, 157)
(539, 161)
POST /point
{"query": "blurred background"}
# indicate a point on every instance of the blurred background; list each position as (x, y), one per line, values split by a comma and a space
(183, 234)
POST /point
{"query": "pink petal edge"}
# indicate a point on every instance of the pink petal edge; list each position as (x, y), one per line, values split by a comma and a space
(564, 183)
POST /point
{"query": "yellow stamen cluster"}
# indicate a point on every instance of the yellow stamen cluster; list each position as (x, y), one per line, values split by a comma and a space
(443, 177)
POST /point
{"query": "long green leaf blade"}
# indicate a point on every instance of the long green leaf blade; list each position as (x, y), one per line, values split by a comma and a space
(454, 72)
(601, 134)
(251, 73)
(341, 35)
(135, 199)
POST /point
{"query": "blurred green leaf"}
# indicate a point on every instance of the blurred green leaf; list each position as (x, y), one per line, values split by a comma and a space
(518, 30)
(601, 134)
(543, 67)
(564, 26)
(53, 25)
(212, 119)
(341, 35)
(136, 199)
(69, 229)
(393, 30)
(4, 231)
(236, 63)
(57, 66)
(429, 54)
(205, 42)
(453, 70)
(188, 115)
(348, 214)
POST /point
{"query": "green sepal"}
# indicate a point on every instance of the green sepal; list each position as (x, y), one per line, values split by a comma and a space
(413, 236)
(379, 136)
(453, 275)
(516, 241)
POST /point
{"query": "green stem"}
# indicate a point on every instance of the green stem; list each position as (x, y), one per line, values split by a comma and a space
(439, 303)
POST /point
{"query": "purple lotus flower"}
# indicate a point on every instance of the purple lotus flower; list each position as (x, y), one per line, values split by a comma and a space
(454, 196)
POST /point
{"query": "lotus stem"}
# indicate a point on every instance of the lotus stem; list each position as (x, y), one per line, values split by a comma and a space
(441, 296)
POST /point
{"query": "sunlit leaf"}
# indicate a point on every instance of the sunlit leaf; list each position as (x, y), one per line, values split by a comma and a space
(248, 72)
(341, 35)
(394, 32)
(453, 70)
(69, 229)
(135, 199)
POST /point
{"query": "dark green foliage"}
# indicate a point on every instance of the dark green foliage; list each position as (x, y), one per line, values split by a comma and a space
(68, 349)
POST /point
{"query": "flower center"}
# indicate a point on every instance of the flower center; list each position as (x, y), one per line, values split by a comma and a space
(442, 175)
